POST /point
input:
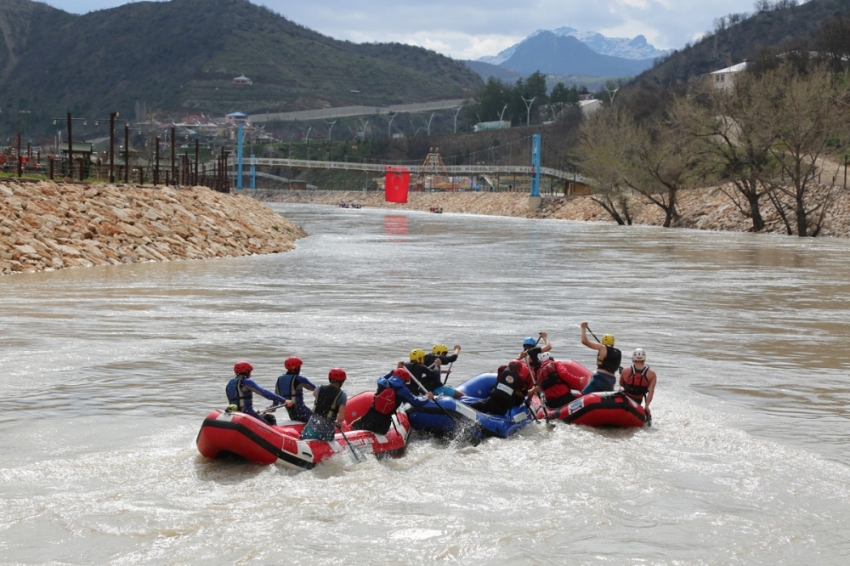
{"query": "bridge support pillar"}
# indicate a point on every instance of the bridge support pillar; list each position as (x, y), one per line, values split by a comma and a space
(534, 203)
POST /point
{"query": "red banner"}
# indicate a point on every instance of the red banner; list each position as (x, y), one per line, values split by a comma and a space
(397, 182)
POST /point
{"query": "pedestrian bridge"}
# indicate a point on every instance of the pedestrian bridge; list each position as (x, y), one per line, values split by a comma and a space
(444, 170)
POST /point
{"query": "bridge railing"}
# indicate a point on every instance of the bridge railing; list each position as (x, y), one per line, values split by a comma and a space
(446, 170)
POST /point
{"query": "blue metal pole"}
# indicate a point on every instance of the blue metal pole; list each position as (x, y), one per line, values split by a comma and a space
(253, 172)
(535, 165)
(239, 152)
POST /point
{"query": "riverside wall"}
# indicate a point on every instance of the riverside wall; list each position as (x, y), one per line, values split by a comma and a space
(46, 226)
(704, 209)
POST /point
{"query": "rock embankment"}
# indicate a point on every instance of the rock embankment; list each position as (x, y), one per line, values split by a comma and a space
(705, 209)
(46, 226)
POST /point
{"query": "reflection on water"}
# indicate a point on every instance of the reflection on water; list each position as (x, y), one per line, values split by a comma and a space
(395, 225)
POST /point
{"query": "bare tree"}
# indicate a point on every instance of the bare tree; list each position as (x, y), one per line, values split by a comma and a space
(601, 153)
(662, 161)
(729, 124)
(806, 112)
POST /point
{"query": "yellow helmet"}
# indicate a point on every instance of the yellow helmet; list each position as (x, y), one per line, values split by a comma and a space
(608, 339)
(439, 349)
(417, 355)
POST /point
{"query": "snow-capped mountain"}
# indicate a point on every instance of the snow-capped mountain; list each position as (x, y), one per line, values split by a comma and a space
(635, 48)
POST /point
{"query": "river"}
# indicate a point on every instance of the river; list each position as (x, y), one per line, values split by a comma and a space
(108, 373)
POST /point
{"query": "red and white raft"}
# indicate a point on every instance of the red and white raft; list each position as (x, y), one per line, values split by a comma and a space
(594, 409)
(237, 434)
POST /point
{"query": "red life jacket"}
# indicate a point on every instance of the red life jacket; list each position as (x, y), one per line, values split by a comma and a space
(550, 380)
(637, 384)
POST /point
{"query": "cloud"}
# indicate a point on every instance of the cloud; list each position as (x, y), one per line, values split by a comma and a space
(474, 28)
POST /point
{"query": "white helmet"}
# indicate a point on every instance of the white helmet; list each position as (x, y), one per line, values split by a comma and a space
(639, 355)
(544, 357)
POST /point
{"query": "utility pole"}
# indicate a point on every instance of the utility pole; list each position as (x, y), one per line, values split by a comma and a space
(127, 152)
(112, 117)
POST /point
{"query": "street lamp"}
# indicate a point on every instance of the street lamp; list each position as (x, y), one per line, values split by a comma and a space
(429, 123)
(390, 125)
(330, 126)
(528, 104)
(459, 108)
(502, 115)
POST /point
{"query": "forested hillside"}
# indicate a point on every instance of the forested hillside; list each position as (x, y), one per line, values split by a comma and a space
(181, 56)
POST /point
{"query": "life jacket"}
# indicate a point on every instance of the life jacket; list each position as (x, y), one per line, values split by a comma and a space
(637, 384)
(509, 387)
(238, 396)
(386, 400)
(327, 401)
(287, 387)
(551, 379)
(611, 362)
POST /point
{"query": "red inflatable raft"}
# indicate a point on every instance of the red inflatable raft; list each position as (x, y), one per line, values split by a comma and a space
(243, 436)
(594, 409)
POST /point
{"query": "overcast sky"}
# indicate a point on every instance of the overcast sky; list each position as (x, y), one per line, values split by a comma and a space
(470, 29)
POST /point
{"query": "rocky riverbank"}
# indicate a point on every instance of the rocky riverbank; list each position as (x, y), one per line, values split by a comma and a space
(46, 226)
(704, 209)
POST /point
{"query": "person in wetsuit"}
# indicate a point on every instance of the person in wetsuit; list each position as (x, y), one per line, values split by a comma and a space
(391, 393)
(240, 392)
(291, 387)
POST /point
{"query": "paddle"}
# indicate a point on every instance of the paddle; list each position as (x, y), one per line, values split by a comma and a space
(425, 391)
(594, 335)
(448, 371)
(358, 456)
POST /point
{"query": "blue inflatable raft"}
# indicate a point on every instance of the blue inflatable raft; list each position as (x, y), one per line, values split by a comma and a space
(454, 418)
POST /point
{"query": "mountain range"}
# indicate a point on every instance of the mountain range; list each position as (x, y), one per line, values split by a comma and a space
(626, 48)
(181, 57)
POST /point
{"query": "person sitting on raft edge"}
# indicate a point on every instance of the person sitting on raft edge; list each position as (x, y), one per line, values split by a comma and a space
(607, 362)
(429, 376)
(533, 351)
(638, 381)
(442, 352)
(329, 410)
(513, 384)
(240, 392)
(291, 386)
(391, 393)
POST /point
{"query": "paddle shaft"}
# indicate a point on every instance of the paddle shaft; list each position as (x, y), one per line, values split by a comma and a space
(425, 391)
(357, 455)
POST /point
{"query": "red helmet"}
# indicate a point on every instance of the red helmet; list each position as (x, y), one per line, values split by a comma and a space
(292, 363)
(242, 368)
(520, 368)
(402, 374)
(337, 374)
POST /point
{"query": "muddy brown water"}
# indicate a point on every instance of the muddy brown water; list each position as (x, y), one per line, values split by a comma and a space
(109, 371)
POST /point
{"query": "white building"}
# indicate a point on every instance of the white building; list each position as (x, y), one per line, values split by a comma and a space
(724, 78)
(242, 80)
(589, 106)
